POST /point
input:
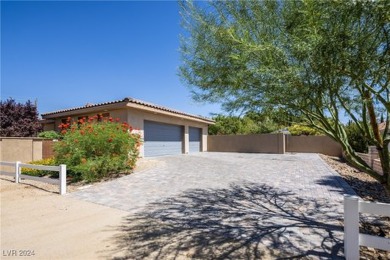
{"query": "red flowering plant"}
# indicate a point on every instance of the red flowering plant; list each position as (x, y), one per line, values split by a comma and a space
(96, 148)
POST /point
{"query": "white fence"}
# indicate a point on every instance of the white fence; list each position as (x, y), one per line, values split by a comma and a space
(18, 175)
(352, 238)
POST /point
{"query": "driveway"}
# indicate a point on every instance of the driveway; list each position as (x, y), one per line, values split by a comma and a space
(228, 206)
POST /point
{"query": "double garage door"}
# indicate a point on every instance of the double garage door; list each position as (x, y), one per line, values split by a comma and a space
(166, 139)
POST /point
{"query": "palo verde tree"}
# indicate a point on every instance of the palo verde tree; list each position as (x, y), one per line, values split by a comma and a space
(325, 60)
(19, 119)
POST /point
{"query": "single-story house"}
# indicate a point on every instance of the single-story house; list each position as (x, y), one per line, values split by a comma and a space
(164, 131)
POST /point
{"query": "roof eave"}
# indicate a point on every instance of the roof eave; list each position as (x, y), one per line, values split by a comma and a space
(169, 113)
(84, 110)
(126, 103)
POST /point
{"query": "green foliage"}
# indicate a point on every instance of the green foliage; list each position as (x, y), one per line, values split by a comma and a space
(40, 173)
(356, 139)
(93, 150)
(225, 125)
(302, 130)
(49, 135)
(233, 125)
(278, 116)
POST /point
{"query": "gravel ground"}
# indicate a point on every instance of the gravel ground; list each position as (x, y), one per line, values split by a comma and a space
(368, 189)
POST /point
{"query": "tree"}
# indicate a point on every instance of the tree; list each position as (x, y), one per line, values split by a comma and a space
(321, 59)
(298, 129)
(356, 139)
(232, 125)
(18, 119)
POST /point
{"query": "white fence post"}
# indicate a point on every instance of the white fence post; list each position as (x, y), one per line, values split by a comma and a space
(351, 227)
(62, 179)
(17, 172)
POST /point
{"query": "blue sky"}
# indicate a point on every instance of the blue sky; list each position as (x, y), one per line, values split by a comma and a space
(67, 54)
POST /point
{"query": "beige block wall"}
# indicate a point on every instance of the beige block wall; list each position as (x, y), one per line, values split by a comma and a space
(371, 160)
(21, 149)
(273, 143)
(262, 143)
(313, 144)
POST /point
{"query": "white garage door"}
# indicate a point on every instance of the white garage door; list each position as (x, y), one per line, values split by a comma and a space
(195, 139)
(162, 139)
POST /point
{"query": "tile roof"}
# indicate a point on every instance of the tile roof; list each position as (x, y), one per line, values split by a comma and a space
(129, 100)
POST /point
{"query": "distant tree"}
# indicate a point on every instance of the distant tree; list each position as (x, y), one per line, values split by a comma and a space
(225, 125)
(248, 124)
(298, 129)
(325, 60)
(277, 115)
(18, 119)
(356, 138)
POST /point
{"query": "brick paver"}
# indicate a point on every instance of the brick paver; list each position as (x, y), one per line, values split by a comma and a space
(229, 205)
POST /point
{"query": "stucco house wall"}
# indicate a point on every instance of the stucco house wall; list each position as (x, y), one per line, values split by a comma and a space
(136, 119)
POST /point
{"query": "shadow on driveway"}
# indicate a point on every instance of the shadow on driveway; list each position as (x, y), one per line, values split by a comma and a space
(245, 221)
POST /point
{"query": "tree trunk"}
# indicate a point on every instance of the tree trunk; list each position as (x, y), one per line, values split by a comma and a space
(359, 163)
(383, 152)
(385, 163)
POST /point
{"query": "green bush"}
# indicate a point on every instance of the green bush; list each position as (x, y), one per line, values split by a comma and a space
(356, 138)
(302, 130)
(93, 150)
(233, 125)
(49, 135)
(40, 173)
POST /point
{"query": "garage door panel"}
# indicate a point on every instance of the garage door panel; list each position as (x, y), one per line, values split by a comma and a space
(162, 148)
(162, 139)
(162, 132)
(195, 136)
(194, 147)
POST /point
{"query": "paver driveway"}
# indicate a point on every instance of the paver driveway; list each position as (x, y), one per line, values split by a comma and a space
(229, 206)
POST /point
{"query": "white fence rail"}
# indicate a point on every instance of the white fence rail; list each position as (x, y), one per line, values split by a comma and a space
(352, 238)
(18, 175)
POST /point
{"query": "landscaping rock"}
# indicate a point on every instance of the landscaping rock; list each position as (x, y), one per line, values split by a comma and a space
(368, 189)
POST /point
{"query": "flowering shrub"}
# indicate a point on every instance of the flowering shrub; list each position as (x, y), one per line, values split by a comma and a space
(95, 148)
(40, 173)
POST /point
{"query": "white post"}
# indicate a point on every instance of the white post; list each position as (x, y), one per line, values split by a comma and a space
(17, 172)
(351, 227)
(186, 144)
(62, 179)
